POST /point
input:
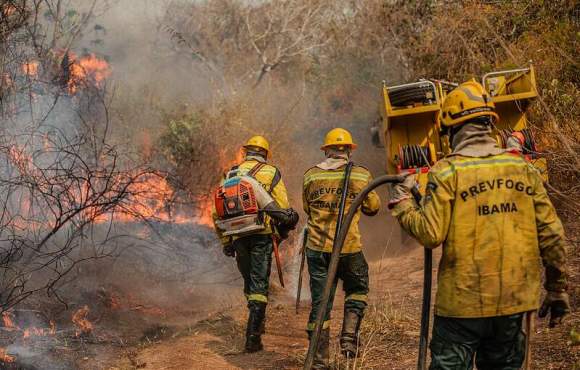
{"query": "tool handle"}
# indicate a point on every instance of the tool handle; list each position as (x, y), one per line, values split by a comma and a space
(300, 272)
(278, 261)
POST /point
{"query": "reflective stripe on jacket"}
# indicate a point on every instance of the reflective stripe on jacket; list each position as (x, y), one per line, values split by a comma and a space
(497, 226)
(321, 198)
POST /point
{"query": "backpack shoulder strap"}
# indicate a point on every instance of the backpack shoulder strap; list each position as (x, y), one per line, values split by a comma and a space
(276, 179)
(229, 173)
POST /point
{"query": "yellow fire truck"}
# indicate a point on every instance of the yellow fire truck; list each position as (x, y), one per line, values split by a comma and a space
(410, 128)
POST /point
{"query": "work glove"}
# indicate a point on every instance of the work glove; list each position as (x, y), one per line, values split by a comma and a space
(284, 217)
(288, 223)
(558, 305)
(402, 190)
(289, 219)
(229, 250)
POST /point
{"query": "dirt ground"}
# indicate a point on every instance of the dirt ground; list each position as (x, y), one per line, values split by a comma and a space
(390, 332)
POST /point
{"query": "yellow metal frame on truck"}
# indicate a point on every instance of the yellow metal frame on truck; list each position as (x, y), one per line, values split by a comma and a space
(512, 91)
(417, 124)
(414, 124)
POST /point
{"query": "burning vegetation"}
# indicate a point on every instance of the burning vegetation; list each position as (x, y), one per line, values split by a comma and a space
(84, 71)
(112, 140)
(83, 325)
(6, 358)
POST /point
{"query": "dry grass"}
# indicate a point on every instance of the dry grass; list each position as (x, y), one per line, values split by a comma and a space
(389, 335)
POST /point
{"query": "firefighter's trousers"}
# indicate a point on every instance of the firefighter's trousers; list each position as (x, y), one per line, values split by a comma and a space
(254, 259)
(353, 270)
(496, 343)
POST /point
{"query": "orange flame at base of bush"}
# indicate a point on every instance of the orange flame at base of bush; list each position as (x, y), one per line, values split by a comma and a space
(39, 332)
(79, 318)
(6, 358)
(8, 319)
(87, 69)
(30, 69)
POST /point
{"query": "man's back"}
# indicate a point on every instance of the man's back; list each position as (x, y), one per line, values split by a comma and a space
(321, 193)
(490, 214)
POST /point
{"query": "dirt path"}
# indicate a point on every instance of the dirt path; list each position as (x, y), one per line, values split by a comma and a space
(217, 342)
(390, 332)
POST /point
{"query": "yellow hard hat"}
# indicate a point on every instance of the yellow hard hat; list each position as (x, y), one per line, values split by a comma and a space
(338, 137)
(467, 101)
(258, 142)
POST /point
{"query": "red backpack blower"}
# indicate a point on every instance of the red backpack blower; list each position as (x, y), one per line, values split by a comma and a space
(237, 207)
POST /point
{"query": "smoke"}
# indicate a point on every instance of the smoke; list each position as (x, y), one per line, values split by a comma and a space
(163, 69)
(156, 74)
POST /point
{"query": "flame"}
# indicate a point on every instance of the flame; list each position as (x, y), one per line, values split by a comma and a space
(8, 9)
(6, 358)
(30, 68)
(206, 202)
(39, 332)
(8, 319)
(150, 196)
(205, 211)
(88, 69)
(79, 318)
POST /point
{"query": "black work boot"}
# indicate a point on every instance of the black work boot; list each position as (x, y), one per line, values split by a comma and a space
(255, 326)
(349, 337)
(321, 357)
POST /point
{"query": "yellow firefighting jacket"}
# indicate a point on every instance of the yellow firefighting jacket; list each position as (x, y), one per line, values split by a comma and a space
(321, 198)
(270, 178)
(497, 226)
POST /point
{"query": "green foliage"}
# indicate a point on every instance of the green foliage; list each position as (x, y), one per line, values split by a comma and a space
(179, 143)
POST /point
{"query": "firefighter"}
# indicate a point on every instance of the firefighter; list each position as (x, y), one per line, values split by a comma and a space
(322, 191)
(489, 209)
(253, 252)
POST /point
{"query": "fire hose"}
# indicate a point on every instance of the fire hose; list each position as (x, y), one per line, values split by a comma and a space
(333, 266)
